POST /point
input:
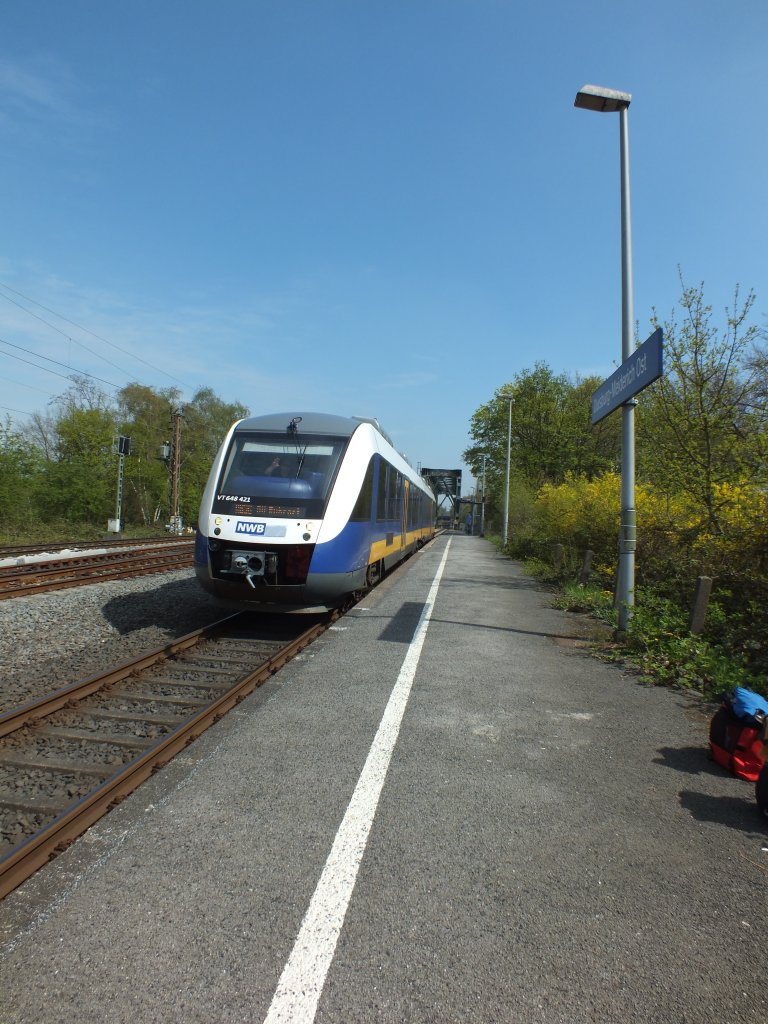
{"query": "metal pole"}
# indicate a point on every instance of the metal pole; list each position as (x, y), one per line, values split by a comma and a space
(628, 530)
(176, 472)
(482, 506)
(508, 399)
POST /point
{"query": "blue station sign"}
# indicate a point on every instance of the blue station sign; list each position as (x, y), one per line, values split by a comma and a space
(643, 367)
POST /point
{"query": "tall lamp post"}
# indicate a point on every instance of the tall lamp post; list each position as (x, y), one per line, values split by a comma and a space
(594, 97)
(508, 399)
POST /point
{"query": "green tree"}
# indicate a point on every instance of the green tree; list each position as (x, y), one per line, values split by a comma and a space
(82, 480)
(144, 417)
(22, 469)
(702, 424)
(551, 434)
(205, 422)
(756, 405)
(63, 466)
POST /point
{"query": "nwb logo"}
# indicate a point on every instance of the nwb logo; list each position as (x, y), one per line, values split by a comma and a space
(250, 528)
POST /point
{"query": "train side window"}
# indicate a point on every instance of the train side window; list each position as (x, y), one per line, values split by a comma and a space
(414, 508)
(390, 492)
(382, 502)
(395, 495)
(363, 509)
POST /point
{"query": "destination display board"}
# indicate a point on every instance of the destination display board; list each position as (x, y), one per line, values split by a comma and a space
(643, 367)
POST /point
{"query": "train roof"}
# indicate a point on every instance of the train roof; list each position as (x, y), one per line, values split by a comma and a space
(310, 423)
(316, 423)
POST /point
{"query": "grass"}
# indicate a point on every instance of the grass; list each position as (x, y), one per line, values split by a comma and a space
(658, 643)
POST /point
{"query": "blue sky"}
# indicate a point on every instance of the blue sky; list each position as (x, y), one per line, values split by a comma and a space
(365, 208)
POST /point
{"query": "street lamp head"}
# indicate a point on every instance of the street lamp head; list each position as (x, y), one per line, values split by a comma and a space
(595, 97)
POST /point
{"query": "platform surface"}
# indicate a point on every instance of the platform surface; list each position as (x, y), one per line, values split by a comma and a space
(443, 811)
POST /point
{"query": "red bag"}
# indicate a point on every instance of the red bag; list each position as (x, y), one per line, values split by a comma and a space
(736, 744)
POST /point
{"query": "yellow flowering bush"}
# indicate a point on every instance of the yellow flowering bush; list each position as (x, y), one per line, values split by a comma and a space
(672, 530)
(581, 512)
(740, 541)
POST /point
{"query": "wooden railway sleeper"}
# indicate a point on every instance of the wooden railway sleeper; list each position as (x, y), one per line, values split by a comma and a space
(28, 806)
(44, 765)
(196, 669)
(159, 698)
(59, 732)
(192, 684)
(133, 716)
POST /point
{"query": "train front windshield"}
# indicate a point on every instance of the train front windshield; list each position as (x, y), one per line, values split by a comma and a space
(274, 476)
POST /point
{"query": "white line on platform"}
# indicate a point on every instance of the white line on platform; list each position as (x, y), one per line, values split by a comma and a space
(301, 983)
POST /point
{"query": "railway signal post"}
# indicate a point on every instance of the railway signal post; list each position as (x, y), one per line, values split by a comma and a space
(122, 448)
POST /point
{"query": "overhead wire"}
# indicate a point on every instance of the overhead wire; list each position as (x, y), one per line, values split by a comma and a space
(19, 411)
(93, 334)
(65, 335)
(79, 373)
(21, 384)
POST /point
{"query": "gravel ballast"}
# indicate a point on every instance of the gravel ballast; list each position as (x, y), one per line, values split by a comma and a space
(51, 640)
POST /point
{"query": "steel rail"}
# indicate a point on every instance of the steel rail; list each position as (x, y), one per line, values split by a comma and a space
(59, 562)
(25, 715)
(14, 550)
(26, 858)
(41, 578)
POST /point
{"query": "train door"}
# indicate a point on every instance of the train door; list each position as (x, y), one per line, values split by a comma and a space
(404, 523)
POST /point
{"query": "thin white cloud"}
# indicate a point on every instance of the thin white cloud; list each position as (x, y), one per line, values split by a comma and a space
(43, 91)
(231, 349)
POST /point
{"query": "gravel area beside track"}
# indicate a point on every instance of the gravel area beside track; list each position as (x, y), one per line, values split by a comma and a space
(51, 640)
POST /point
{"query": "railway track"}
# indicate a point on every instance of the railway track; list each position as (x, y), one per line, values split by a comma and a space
(73, 570)
(20, 550)
(66, 759)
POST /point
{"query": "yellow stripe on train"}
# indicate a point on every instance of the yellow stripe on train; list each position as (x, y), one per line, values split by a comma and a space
(381, 549)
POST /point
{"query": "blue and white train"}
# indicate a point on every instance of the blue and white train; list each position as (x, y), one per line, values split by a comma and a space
(302, 510)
